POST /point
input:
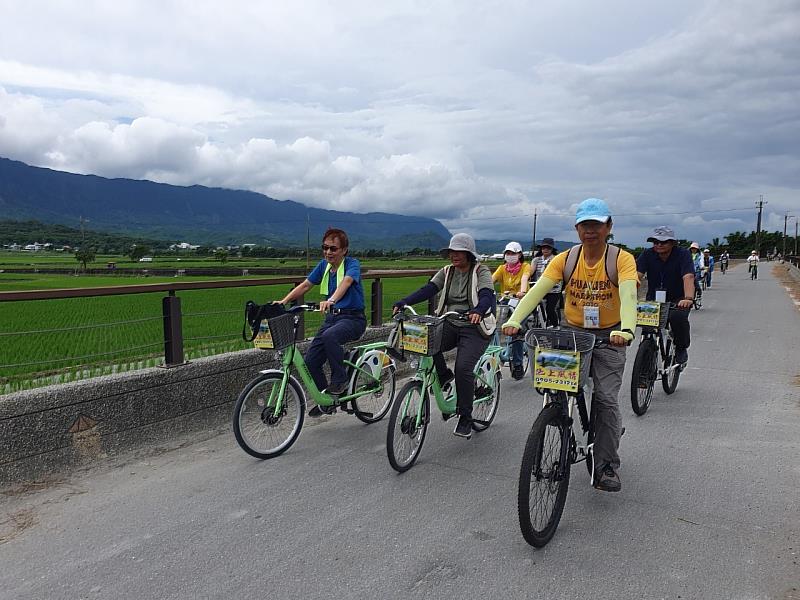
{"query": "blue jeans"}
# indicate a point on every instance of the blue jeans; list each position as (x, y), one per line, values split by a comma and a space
(517, 352)
(327, 345)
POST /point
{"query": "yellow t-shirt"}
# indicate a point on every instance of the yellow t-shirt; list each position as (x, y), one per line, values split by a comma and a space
(591, 287)
(509, 282)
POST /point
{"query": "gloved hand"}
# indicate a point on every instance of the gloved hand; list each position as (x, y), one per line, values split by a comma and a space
(626, 337)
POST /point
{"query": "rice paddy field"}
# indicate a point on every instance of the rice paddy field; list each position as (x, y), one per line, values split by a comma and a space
(54, 341)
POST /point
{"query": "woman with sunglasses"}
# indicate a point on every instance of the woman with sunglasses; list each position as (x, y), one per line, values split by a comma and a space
(339, 278)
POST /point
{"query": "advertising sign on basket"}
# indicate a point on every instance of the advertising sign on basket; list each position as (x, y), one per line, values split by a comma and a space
(648, 314)
(263, 340)
(556, 369)
(415, 338)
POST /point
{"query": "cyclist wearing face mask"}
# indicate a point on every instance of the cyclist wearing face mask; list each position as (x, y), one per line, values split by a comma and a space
(514, 276)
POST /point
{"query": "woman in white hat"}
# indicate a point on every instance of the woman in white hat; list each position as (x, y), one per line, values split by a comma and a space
(697, 260)
(466, 285)
(514, 276)
(752, 264)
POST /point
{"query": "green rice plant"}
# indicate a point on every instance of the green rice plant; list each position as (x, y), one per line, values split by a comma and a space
(43, 342)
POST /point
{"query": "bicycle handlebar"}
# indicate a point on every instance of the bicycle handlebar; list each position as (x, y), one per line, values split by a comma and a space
(461, 315)
(311, 307)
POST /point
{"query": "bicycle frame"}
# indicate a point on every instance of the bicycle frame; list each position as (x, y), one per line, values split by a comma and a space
(661, 357)
(568, 403)
(426, 373)
(292, 358)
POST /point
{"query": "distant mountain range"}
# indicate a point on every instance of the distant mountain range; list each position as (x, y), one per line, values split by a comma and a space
(196, 214)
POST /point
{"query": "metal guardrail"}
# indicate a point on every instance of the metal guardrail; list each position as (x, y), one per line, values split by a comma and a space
(171, 303)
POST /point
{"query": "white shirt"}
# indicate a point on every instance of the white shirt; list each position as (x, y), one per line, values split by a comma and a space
(752, 258)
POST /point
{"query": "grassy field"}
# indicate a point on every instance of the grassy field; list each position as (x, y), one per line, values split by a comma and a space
(50, 341)
(43, 260)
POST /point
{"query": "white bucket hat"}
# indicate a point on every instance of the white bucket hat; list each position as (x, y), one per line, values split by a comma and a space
(461, 242)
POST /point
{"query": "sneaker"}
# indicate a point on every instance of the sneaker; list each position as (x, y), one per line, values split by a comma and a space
(517, 372)
(463, 427)
(681, 356)
(446, 377)
(318, 411)
(607, 480)
(336, 389)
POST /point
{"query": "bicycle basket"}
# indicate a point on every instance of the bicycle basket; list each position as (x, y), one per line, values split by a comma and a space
(503, 314)
(553, 340)
(645, 314)
(276, 333)
(422, 334)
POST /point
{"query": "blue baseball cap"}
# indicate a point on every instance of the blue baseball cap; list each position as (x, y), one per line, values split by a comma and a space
(592, 209)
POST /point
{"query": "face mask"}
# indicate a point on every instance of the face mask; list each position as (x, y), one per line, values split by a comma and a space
(512, 259)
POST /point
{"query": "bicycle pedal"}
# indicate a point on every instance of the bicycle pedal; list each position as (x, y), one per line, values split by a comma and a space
(447, 416)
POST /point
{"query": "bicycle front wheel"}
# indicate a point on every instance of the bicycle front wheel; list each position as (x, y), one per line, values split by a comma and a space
(643, 377)
(408, 423)
(374, 375)
(543, 478)
(265, 423)
(669, 380)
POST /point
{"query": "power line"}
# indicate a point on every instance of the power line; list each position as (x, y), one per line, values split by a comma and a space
(511, 217)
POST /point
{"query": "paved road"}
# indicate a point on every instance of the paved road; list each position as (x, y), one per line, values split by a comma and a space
(709, 507)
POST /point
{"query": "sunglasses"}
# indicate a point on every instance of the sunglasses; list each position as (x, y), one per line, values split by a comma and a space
(329, 248)
(661, 243)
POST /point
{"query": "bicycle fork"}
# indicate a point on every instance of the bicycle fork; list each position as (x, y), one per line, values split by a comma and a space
(585, 418)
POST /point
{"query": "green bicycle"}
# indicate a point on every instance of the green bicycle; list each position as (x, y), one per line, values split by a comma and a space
(410, 414)
(270, 410)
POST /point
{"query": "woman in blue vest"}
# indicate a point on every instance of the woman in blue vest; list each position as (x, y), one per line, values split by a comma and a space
(466, 285)
(339, 278)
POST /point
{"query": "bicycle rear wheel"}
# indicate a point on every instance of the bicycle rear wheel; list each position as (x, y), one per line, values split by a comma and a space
(487, 398)
(374, 373)
(543, 480)
(669, 380)
(404, 437)
(260, 428)
(643, 377)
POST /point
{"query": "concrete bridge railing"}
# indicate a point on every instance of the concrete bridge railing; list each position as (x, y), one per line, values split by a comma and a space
(55, 429)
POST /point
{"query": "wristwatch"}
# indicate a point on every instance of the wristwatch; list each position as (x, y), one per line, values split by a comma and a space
(633, 335)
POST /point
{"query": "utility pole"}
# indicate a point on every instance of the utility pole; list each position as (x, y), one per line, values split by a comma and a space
(533, 244)
(308, 240)
(83, 233)
(760, 204)
(785, 219)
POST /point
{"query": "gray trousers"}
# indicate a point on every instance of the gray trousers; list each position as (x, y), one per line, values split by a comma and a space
(607, 367)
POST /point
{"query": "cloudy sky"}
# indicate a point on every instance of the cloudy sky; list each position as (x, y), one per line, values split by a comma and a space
(475, 113)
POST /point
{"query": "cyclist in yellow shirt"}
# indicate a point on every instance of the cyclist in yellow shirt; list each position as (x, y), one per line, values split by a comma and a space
(601, 299)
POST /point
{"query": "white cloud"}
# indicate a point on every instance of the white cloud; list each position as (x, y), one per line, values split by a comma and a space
(466, 112)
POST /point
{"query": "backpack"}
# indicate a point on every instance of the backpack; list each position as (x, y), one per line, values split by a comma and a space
(612, 255)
